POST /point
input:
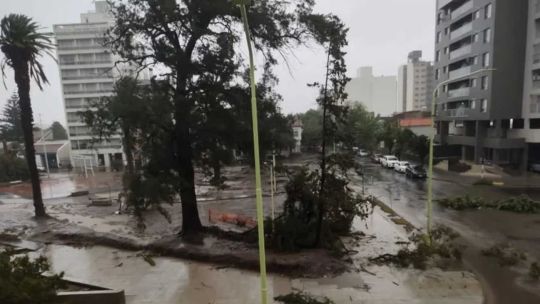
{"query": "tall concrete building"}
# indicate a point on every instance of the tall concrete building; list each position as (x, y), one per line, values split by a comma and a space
(478, 112)
(377, 93)
(87, 71)
(415, 84)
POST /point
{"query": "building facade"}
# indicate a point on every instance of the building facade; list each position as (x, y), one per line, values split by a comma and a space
(415, 84)
(377, 93)
(87, 71)
(479, 63)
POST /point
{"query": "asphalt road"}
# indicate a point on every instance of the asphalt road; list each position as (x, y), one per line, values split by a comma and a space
(479, 229)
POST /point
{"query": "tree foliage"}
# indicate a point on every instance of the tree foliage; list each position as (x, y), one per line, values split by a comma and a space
(10, 120)
(58, 131)
(12, 168)
(22, 45)
(312, 132)
(185, 39)
(23, 280)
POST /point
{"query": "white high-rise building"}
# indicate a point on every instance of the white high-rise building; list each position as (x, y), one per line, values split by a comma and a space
(377, 93)
(88, 72)
(415, 84)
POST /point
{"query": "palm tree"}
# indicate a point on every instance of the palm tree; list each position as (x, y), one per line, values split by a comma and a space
(22, 45)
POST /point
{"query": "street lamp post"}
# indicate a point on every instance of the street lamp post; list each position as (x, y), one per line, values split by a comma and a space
(258, 189)
(429, 206)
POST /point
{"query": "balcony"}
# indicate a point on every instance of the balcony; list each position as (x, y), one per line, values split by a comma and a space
(461, 140)
(459, 73)
(462, 9)
(464, 29)
(459, 92)
(536, 58)
(104, 76)
(443, 3)
(85, 62)
(536, 84)
(464, 50)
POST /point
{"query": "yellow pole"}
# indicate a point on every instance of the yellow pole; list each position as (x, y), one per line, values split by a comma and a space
(256, 156)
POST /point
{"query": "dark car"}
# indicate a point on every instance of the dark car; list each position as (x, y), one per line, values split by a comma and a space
(416, 172)
(376, 158)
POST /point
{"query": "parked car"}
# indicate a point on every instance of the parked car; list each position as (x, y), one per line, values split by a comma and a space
(534, 166)
(388, 161)
(415, 172)
(401, 166)
(376, 158)
(363, 153)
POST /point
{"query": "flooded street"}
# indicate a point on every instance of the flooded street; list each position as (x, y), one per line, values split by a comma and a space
(480, 229)
(176, 281)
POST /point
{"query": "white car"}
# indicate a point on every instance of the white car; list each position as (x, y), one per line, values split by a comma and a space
(388, 161)
(363, 153)
(401, 166)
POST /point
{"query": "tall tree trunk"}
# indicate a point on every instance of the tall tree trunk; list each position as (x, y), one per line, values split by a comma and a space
(191, 222)
(127, 143)
(22, 79)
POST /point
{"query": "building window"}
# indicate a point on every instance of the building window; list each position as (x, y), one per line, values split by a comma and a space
(475, 38)
(474, 82)
(476, 15)
(446, 49)
(445, 88)
(437, 56)
(535, 104)
(445, 69)
(483, 106)
(485, 82)
(447, 31)
(488, 11)
(485, 60)
(473, 104)
(475, 60)
(437, 74)
(487, 35)
(439, 37)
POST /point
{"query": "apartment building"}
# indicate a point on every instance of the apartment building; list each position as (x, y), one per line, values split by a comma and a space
(479, 63)
(87, 74)
(377, 93)
(415, 84)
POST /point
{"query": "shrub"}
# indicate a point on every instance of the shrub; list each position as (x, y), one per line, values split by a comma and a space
(301, 298)
(441, 245)
(534, 271)
(12, 168)
(520, 204)
(297, 227)
(506, 255)
(22, 280)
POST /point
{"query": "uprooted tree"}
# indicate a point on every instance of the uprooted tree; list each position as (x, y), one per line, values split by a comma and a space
(177, 35)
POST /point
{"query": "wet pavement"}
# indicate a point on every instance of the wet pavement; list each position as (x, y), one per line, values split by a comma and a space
(481, 229)
(175, 281)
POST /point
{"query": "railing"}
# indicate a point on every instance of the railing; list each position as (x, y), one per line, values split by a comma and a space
(79, 47)
(89, 91)
(442, 3)
(85, 62)
(459, 72)
(459, 92)
(105, 76)
(464, 50)
(73, 106)
(464, 29)
(462, 9)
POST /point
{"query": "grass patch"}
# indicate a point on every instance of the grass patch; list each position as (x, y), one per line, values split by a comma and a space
(302, 298)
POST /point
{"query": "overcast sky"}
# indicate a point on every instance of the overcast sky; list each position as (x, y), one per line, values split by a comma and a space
(382, 32)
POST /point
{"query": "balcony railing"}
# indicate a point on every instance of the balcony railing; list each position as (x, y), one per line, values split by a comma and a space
(464, 50)
(464, 29)
(462, 9)
(79, 47)
(88, 91)
(459, 92)
(104, 76)
(459, 72)
(85, 62)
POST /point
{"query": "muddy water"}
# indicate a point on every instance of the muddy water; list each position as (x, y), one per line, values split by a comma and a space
(480, 229)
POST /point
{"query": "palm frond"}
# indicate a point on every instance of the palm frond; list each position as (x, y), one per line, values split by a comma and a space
(20, 39)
